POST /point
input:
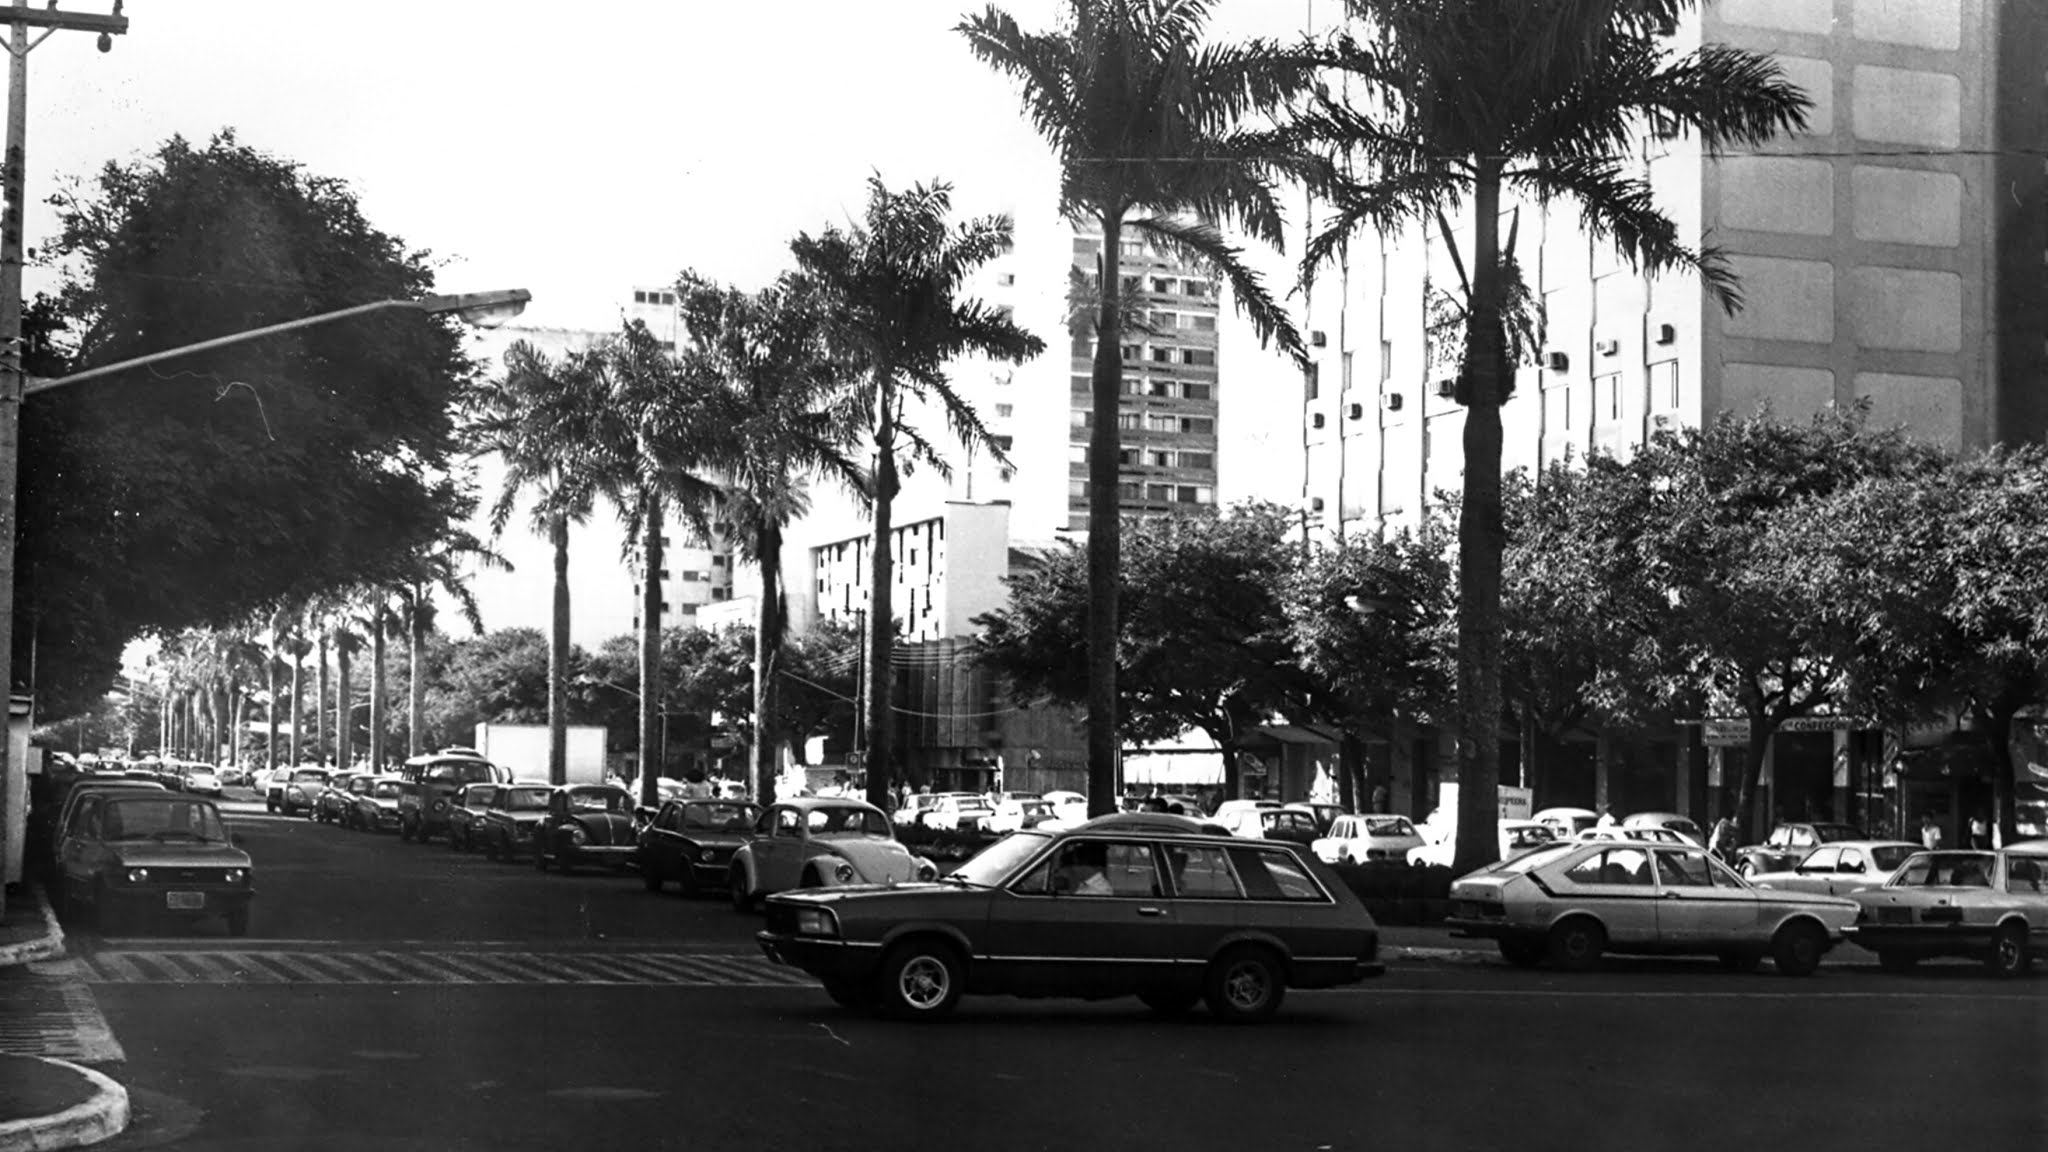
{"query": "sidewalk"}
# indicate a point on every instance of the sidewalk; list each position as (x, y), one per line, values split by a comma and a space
(1425, 942)
(48, 1104)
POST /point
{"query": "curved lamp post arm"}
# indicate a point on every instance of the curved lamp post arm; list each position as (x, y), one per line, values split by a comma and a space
(486, 309)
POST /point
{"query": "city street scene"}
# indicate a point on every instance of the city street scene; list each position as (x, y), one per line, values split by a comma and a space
(1250, 574)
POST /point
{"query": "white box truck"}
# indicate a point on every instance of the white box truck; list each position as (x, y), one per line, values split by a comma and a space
(524, 749)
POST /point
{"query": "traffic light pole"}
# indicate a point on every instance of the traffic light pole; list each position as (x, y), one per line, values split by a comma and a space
(13, 180)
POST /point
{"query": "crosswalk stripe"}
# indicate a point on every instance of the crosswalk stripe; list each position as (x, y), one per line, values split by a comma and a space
(642, 968)
(463, 965)
(380, 968)
(435, 973)
(292, 967)
(442, 967)
(610, 968)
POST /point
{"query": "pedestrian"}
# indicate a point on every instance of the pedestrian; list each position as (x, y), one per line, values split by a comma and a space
(1379, 798)
(1722, 843)
(1607, 819)
(1980, 831)
(1930, 832)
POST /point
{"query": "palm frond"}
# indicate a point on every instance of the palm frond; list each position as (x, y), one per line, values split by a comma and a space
(1206, 244)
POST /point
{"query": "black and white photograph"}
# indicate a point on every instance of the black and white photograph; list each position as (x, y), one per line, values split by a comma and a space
(1267, 575)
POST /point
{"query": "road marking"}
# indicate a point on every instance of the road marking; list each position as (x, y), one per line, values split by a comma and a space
(386, 967)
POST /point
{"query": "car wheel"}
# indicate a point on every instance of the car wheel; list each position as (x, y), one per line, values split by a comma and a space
(1169, 1001)
(1897, 962)
(1744, 961)
(921, 980)
(1575, 944)
(2009, 955)
(238, 922)
(1244, 985)
(742, 898)
(1797, 948)
(1748, 870)
(1521, 951)
(848, 993)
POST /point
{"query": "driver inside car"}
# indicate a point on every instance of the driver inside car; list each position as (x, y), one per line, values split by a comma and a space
(1083, 870)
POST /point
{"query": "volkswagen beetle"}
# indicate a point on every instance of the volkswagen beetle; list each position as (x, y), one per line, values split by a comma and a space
(587, 824)
(821, 842)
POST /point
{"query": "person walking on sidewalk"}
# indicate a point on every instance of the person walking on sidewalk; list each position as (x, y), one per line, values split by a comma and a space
(1930, 832)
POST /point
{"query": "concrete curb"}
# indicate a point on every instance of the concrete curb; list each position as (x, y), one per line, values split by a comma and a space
(49, 947)
(1437, 955)
(100, 1118)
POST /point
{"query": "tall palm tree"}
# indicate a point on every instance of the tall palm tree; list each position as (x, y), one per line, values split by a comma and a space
(760, 361)
(341, 626)
(1145, 118)
(380, 622)
(513, 420)
(297, 646)
(890, 288)
(1459, 101)
(320, 745)
(441, 570)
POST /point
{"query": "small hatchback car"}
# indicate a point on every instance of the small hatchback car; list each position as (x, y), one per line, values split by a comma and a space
(1119, 906)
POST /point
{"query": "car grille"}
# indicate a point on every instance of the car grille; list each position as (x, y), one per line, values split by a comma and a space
(782, 920)
(1482, 909)
(189, 875)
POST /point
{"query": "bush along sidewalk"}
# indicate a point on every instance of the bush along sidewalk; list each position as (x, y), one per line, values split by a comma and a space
(1400, 893)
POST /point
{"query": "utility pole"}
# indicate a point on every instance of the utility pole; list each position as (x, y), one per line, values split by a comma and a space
(14, 182)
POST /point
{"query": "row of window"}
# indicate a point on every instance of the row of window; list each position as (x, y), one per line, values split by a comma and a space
(1156, 493)
(1167, 354)
(1152, 422)
(1149, 457)
(1170, 389)
(640, 297)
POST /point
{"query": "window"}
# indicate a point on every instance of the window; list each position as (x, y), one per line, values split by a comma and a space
(1166, 321)
(1158, 459)
(719, 561)
(1095, 868)
(691, 574)
(1162, 388)
(1162, 423)
(1006, 279)
(1130, 247)
(1084, 348)
(1607, 397)
(1131, 285)
(1203, 460)
(1159, 492)
(720, 594)
(1202, 874)
(1690, 869)
(1386, 360)
(639, 297)
(1127, 456)
(1077, 453)
(1006, 475)
(1201, 322)
(1162, 284)
(1131, 386)
(1003, 443)
(1193, 391)
(789, 822)
(1129, 421)
(1821, 860)
(1080, 418)
(1270, 874)
(1198, 425)
(1134, 352)
(1163, 355)
(1005, 411)
(1077, 489)
(2024, 874)
(1200, 357)
(1664, 384)
(1616, 866)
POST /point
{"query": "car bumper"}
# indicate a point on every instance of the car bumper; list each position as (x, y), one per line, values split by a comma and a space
(823, 958)
(1922, 939)
(154, 900)
(1479, 929)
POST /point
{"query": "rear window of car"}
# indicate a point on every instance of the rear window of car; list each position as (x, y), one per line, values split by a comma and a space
(386, 789)
(1891, 856)
(720, 817)
(309, 776)
(1272, 875)
(524, 800)
(456, 772)
(1534, 858)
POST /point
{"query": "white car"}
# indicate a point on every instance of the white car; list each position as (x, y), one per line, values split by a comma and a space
(1373, 837)
(1516, 837)
(1570, 902)
(1840, 868)
(1017, 815)
(1068, 808)
(1567, 822)
(1669, 821)
(1991, 907)
(958, 811)
(1648, 834)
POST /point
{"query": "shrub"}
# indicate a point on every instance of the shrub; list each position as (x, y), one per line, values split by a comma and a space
(943, 843)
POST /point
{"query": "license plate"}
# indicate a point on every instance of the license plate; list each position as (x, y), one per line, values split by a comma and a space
(185, 900)
(1895, 915)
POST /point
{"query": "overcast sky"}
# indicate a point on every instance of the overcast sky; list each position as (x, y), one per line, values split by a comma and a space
(571, 149)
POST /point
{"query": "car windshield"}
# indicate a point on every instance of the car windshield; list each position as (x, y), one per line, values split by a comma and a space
(524, 800)
(990, 865)
(386, 790)
(1947, 870)
(1890, 856)
(600, 800)
(152, 818)
(720, 817)
(846, 821)
(457, 772)
(1388, 826)
(309, 776)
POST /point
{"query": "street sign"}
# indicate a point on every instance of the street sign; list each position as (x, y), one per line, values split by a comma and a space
(856, 760)
(1735, 732)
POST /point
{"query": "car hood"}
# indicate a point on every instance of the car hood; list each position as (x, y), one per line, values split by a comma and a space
(877, 861)
(138, 854)
(876, 898)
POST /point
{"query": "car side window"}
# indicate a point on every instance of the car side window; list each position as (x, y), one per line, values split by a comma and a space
(1273, 875)
(2023, 874)
(670, 818)
(1684, 870)
(1822, 860)
(1800, 838)
(87, 822)
(1852, 861)
(1202, 873)
(1620, 866)
(789, 822)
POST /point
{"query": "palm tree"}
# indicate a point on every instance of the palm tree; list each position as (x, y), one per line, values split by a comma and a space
(759, 359)
(890, 289)
(1461, 100)
(1145, 119)
(297, 647)
(437, 571)
(380, 622)
(341, 626)
(512, 420)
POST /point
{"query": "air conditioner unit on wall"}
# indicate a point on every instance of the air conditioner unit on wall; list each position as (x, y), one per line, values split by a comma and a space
(1392, 401)
(1317, 420)
(1447, 387)
(1317, 339)
(1607, 347)
(1666, 334)
(1558, 362)
(1315, 504)
(1357, 411)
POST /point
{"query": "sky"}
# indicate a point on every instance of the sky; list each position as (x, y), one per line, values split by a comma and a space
(572, 150)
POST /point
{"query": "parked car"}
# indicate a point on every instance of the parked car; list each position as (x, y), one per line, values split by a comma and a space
(201, 780)
(1571, 902)
(819, 842)
(1014, 815)
(958, 811)
(506, 832)
(692, 842)
(1324, 815)
(1270, 824)
(52, 836)
(1841, 868)
(1226, 811)
(1069, 808)
(373, 804)
(131, 854)
(1788, 844)
(914, 808)
(586, 824)
(466, 812)
(1355, 839)
(1137, 907)
(1566, 823)
(431, 782)
(1670, 822)
(295, 792)
(1986, 906)
(1646, 833)
(331, 803)
(1516, 838)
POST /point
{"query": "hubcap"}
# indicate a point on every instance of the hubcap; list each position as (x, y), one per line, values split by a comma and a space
(924, 982)
(2008, 952)
(1245, 986)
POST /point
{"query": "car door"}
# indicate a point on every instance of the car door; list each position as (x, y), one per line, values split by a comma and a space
(1093, 917)
(779, 855)
(1699, 905)
(1814, 872)
(1851, 871)
(1617, 886)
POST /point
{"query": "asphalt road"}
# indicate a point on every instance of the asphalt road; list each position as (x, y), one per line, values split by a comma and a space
(400, 997)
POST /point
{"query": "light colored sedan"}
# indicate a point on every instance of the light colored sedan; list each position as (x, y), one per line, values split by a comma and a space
(1016, 815)
(1986, 906)
(1516, 837)
(1841, 868)
(1371, 837)
(1570, 902)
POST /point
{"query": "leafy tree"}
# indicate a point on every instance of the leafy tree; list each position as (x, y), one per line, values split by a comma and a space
(1451, 103)
(1204, 642)
(192, 494)
(499, 676)
(760, 360)
(890, 289)
(1144, 117)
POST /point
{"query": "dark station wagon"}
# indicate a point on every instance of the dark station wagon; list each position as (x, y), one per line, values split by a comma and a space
(1119, 906)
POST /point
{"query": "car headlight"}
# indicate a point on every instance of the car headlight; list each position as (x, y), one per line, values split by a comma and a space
(816, 922)
(707, 855)
(578, 836)
(440, 805)
(138, 875)
(842, 872)
(926, 870)
(234, 875)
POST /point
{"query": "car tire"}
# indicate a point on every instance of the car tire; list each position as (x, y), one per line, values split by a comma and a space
(1170, 1001)
(1522, 951)
(1896, 962)
(848, 993)
(742, 898)
(1244, 985)
(1742, 961)
(1575, 944)
(1797, 948)
(2010, 955)
(921, 979)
